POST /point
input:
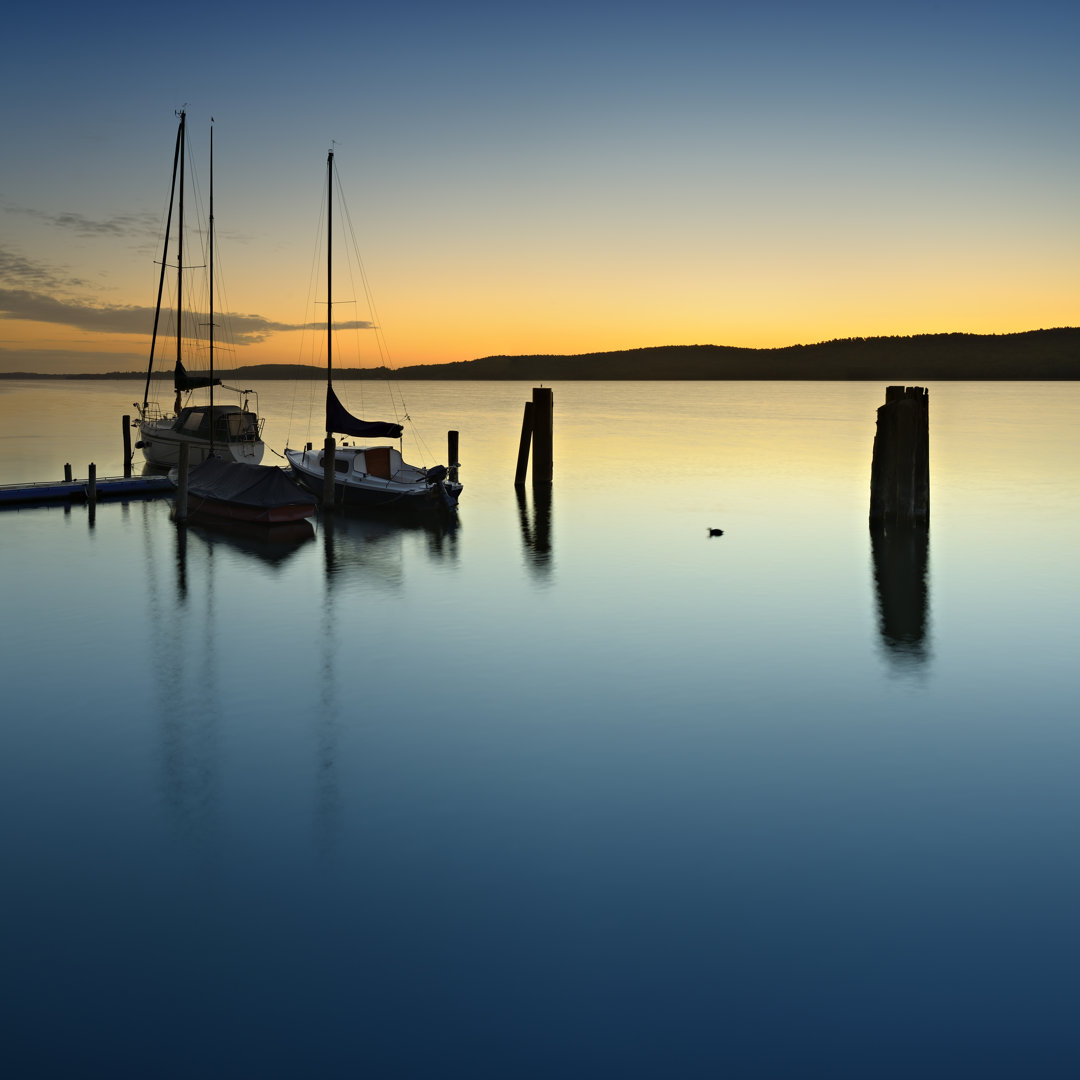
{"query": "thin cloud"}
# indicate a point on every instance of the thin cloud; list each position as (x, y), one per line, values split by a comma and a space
(119, 225)
(17, 270)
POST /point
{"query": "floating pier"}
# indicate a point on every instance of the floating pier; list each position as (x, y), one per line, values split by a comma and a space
(89, 490)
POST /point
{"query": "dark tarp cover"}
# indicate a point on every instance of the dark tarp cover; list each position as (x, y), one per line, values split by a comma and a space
(183, 381)
(340, 420)
(262, 486)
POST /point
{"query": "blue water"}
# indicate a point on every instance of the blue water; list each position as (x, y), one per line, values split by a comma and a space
(562, 791)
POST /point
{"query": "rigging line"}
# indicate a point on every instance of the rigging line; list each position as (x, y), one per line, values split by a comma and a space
(352, 253)
(397, 398)
(309, 339)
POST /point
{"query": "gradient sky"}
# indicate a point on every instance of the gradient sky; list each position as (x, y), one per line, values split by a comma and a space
(565, 177)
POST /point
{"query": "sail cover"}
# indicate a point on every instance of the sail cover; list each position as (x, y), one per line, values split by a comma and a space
(341, 421)
(183, 381)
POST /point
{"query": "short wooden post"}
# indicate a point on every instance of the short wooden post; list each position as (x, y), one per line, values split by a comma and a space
(182, 482)
(543, 441)
(329, 448)
(452, 462)
(91, 484)
(67, 473)
(900, 470)
(126, 425)
(524, 446)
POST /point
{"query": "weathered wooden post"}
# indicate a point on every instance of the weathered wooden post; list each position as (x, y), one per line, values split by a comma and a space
(126, 424)
(329, 456)
(524, 446)
(900, 470)
(543, 438)
(67, 473)
(91, 484)
(182, 482)
(452, 462)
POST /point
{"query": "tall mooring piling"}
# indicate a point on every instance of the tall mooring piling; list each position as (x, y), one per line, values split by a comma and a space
(537, 431)
(125, 423)
(452, 462)
(900, 471)
(329, 468)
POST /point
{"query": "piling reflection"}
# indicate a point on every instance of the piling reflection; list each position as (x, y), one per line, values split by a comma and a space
(536, 529)
(901, 556)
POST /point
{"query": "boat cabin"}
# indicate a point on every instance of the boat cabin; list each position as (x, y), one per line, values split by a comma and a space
(231, 423)
(383, 462)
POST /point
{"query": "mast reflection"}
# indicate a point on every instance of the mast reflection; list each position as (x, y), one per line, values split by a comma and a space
(901, 556)
(359, 553)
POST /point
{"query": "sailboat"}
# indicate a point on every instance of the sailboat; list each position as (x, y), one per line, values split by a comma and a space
(366, 477)
(234, 429)
(239, 491)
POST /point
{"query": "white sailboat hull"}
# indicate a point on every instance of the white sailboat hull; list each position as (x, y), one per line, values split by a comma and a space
(373, 477)
(161, 447)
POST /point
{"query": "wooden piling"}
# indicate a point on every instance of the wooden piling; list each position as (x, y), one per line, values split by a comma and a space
(67, 473)
(452, 462)
(126, 426)
(329, 454)
(900, 470)
(182, 482)
(524, 446)
(543, 440)
(91, 484)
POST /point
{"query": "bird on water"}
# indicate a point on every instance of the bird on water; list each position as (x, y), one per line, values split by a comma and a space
(716, 532)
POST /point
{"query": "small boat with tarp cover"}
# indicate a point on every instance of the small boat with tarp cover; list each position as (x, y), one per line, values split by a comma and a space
(366, 477)
(233, 430)
(235, 491)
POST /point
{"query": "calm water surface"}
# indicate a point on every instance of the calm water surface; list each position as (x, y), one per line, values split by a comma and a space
(570, 789)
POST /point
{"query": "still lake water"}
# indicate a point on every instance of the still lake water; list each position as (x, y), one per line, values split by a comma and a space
(566, 791)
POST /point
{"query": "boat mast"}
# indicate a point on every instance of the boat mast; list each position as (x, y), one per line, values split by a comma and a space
(180, 263)
(211, 286)
(329, 248)
(164, 259)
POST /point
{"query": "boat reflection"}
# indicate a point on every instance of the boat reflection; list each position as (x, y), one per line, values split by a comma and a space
(376, 544)
(901, 556)
(271, 544)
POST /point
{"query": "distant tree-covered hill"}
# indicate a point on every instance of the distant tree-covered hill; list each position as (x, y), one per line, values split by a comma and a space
(1034, 355)
(1037, 354)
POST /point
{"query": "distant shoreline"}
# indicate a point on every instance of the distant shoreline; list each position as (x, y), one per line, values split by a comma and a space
(1033, 355)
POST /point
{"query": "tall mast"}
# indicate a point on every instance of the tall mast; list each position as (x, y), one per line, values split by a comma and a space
(180, 260)
(212, 423)
(329, 266)
(164, 259)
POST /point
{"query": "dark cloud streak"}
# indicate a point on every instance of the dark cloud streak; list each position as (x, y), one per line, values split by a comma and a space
(130, 319)
(17, 269)
(119, 225)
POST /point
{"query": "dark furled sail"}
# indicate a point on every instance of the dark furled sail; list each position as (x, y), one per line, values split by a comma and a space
(183, 381)
(342, 422)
